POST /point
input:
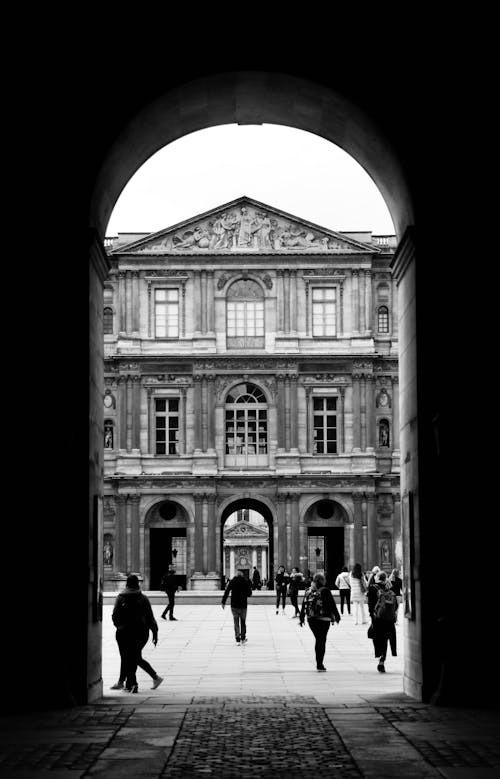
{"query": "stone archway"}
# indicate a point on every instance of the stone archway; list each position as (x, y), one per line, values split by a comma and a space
(165, 542)
(329, 537)
(231, 506)
(258, 97)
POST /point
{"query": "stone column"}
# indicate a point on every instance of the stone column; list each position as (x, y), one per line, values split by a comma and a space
(182, 421)
(341, 310)
(368, 302)
(293, 301)
(150, 311)
(372, 530)
(340, 421)
(264, 563)
(281, 301)
(197, 408)
(363, 412)
(355, 302)
(356, 413)
(211, 534)
(282, 551)
(294, 522)
(151, 420)
(122, 302)
(198, 533)
(394, 442)
(197, 301)
(280, 402)
(370, 411)
(394, 309)
(396, 531)
(128, 298)
(231, 562)
(210, 302)
(204, 415)
(135, 561)
(306, 286)
(129, 413)
(309, 426)
(362, 303)
(287, 415)
(287, 303)
(358, 528)
(135, 301)
(203, 301)
(121, 533)
(210, 412)
(294, 422)
(122, 407)
(136, 412)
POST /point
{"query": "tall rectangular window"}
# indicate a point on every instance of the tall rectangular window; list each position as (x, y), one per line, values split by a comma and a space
(324, 311)
(325, 425)
(167, 425)
(167, 313)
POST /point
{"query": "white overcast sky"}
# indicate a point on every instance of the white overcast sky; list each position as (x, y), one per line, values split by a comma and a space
(290, 169)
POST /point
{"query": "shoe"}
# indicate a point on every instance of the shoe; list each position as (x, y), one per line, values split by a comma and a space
(173, 619)
(135, 688)
(238, 641)
(381, 667)
(294, 616)
(157, 682)
(243, 640)
(163, 616)
(276, 611)
(117, 686)
(321, 668)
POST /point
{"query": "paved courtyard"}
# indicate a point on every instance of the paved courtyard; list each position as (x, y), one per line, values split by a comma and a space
(259, 710)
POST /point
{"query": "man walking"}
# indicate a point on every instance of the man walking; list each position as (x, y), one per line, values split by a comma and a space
(169, 585)
(240, 590)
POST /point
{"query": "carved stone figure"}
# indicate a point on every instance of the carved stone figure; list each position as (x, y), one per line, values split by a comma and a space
(383, 399)
(108, 552)
(108, 436)
(383, 433)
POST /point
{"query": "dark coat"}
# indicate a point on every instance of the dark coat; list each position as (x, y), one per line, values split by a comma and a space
(168, 583)
(132, 613)
(281, 580)
(240, 589)
(329, 606)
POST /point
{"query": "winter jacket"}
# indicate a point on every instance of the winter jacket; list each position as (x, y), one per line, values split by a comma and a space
(169, 583)
(295, 580)
(329, 607)
(132, 611)
(281, 580)
(240, 589)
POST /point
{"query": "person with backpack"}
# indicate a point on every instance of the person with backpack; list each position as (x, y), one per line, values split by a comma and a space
(133, 618)
(321, 611)
(169, 586)
(342, 582)
(382, 604)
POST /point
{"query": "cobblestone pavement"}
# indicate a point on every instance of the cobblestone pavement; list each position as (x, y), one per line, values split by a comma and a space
(260, 710)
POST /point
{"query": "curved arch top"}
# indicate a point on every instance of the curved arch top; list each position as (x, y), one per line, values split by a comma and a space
(247, 97)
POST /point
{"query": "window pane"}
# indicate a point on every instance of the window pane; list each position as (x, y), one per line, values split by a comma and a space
(160, 294)
(331, 403)
(172, 294)
(161, 404)
(173, 404)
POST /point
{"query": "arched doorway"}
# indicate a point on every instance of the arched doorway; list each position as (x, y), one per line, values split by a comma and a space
(246, 561)
(165, 543)
(245, 97)
(328, 539)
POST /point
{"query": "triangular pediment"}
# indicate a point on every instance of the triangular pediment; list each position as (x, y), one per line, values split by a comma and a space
(244, 529)
(245, 226)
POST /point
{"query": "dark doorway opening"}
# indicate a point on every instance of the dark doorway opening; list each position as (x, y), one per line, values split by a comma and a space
(326, 552)
(166, 547)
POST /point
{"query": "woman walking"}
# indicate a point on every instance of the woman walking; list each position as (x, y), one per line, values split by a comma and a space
(358, 592)
(342, 582)
(383, 606)
(281, 580)
(321, 611)
(397, 585)
(293, 590)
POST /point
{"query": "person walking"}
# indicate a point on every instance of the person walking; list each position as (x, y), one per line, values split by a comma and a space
(382, 604)
(281, 579)
(169, 585)
(133, 618)
(358, 593)
(240, 590)
(342, 582)
(397, 585)
(256, 582)
(371, 577)
(293, 590)
(321, 611)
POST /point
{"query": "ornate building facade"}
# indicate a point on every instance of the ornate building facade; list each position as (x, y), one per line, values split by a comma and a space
(250, 363)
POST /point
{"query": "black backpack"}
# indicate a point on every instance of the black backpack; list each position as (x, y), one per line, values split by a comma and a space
(130, 612)
(385, 607)
(314, 603)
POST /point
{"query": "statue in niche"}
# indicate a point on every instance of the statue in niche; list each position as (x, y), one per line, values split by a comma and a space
(383, 433)
(383, 399)
(385, 552)
(108, 435)
(108, 552)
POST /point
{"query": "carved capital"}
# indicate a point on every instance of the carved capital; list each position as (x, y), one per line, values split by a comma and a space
(197, 377)
(357, 497)
(120, 500)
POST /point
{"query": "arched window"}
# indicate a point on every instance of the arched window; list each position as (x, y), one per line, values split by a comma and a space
(383, 319)
(383, 432)
(245, 315)
(246, 426)
(109, 434)
(108, 321)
